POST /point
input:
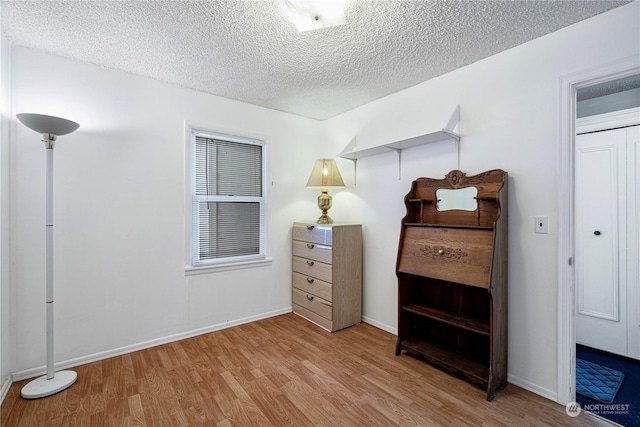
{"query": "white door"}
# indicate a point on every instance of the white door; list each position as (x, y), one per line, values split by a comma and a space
(608, 309)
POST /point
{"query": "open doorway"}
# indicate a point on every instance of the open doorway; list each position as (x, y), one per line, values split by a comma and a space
(607, 241)
(569, 86)
(605, 222)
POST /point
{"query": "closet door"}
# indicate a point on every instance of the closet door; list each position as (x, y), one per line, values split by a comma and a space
(600, 237)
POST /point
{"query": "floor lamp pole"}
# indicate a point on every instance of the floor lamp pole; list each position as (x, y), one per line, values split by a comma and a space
(52, 382)
(49, 257)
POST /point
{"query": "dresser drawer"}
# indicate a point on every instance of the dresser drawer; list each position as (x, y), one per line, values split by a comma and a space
(313, 286)
(320, 234)
(453, 254)
(312, 303)
(311, 268)
(315, 318)
(312, 251)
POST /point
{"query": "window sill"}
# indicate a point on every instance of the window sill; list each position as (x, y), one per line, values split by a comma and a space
(215, 268)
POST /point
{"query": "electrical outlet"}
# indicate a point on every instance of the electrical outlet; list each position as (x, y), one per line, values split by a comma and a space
(541, 225)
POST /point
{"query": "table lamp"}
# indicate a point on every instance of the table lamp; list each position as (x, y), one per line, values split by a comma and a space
(325, 175)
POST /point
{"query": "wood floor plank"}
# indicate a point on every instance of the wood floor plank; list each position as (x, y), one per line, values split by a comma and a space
(276, 407)
(281, 371)
(137, 412)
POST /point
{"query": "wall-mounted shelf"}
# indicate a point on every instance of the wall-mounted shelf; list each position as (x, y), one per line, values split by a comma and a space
(354, 153)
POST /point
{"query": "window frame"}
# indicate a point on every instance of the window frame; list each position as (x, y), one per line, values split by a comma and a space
(192, 264)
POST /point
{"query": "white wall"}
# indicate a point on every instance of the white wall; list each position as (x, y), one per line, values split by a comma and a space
(509, 120)
(119, 211)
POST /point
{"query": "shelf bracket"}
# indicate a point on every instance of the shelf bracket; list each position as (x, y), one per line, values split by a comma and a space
(399, 151)
(453, 122)
(351, 147)
(355, 172)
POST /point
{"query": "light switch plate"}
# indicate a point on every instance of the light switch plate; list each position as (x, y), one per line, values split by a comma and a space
(541, 225)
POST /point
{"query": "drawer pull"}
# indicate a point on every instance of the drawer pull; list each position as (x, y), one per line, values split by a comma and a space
(310, 227)
(310, 263)
(310, 245)
(310, 280)
(441, 251)
(310, 297)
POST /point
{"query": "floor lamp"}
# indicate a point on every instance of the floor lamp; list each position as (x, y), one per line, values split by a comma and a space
(50, 127)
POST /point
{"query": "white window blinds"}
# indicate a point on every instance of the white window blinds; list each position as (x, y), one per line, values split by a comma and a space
(229, 204)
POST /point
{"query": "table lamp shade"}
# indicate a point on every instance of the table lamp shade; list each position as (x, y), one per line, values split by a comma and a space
(325, 174)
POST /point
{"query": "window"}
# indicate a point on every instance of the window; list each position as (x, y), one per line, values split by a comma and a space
(228, 199)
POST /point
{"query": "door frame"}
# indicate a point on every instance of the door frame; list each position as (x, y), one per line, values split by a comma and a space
(569, 84)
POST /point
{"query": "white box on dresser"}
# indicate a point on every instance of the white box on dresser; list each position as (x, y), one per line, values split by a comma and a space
(327, 274)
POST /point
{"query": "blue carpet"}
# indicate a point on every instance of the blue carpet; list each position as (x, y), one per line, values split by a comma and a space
(625, 408)
(596, 381)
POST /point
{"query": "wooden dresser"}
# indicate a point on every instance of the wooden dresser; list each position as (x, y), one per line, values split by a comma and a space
(327, 274)
(452, 276)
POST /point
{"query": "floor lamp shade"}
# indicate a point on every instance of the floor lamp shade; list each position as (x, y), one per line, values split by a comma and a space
(50, 127)
(47, 124)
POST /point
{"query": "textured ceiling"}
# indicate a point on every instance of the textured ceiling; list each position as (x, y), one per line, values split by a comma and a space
(249, 51)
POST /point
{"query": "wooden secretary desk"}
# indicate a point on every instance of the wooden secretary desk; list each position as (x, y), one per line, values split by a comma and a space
(452, 275)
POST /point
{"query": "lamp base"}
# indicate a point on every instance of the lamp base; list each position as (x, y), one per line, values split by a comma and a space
(324, 219)
(42, 387)
(325, 201)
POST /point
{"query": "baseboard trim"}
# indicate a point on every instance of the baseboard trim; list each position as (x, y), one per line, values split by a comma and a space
(34, 372)
(380, 325)
(534, 388)
(4, 390)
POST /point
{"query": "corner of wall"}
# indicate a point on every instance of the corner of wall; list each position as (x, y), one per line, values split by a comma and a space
(5, 135)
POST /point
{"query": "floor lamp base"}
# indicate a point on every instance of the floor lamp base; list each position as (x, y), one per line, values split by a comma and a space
(42, 387)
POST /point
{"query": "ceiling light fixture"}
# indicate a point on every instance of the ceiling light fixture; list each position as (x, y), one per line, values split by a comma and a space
(308, 15)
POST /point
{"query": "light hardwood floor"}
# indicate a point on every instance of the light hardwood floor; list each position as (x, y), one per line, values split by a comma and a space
(282, 371)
